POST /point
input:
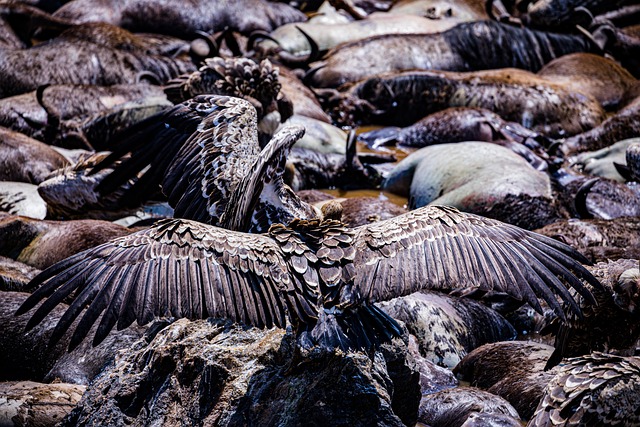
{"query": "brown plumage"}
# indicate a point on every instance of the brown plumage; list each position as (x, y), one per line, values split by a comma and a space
(239, 77)
(324, 275)
(593, 390)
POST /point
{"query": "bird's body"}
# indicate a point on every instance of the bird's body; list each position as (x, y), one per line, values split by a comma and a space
(592, 390)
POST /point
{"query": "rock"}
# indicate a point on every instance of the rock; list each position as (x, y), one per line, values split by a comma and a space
(21, 198)
(447, 328)
(216, 372)
(28, 356)
(477, 177)
(599, 239)
(452, 407)
(27, 403)
(513, 370)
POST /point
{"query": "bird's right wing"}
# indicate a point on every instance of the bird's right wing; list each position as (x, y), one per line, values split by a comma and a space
(176, 268)
(439, 247)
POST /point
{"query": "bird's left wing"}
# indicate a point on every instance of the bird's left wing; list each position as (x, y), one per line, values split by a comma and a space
(176, 268)
(441, 248)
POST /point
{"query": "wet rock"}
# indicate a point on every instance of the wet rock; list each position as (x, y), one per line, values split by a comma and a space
(43, 243)
(453, 407)
(447, 328)
(21, 198)
(476, 177)
(215, 372)
(513, 370)
(27, 403)
(15, 275)
(599, 239)
(26, 355)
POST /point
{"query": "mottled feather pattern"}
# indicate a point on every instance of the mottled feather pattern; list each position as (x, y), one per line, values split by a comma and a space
(595, 390)
(220, 151)
(177, 268)
(424, 248)
(325, 275)
(228, 76)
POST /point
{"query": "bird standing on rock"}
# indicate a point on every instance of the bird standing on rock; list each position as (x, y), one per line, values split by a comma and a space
(325, 276)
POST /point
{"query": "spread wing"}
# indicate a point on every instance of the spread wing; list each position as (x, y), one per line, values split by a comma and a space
(198, 150)
(177, 268)
(438, 247)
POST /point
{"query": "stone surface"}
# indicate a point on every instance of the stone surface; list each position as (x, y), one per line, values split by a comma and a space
(220, 373)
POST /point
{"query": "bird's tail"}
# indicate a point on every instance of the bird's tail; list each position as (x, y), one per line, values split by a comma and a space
(363, 327)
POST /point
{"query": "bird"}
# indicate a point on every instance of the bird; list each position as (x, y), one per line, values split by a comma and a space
(199, 152)
(243, 246)
(240, 77)
(319, 274)
(599, 325)
(596, 389)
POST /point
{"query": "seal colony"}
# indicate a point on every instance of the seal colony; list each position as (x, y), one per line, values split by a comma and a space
(294, 307)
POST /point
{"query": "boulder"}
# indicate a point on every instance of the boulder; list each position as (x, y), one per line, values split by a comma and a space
(214, 372)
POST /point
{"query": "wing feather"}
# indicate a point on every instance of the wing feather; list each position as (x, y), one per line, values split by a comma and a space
(449, 250)
(196, 151)
(177, 268)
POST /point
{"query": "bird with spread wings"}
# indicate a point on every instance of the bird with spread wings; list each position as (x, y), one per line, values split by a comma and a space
(321, 275)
